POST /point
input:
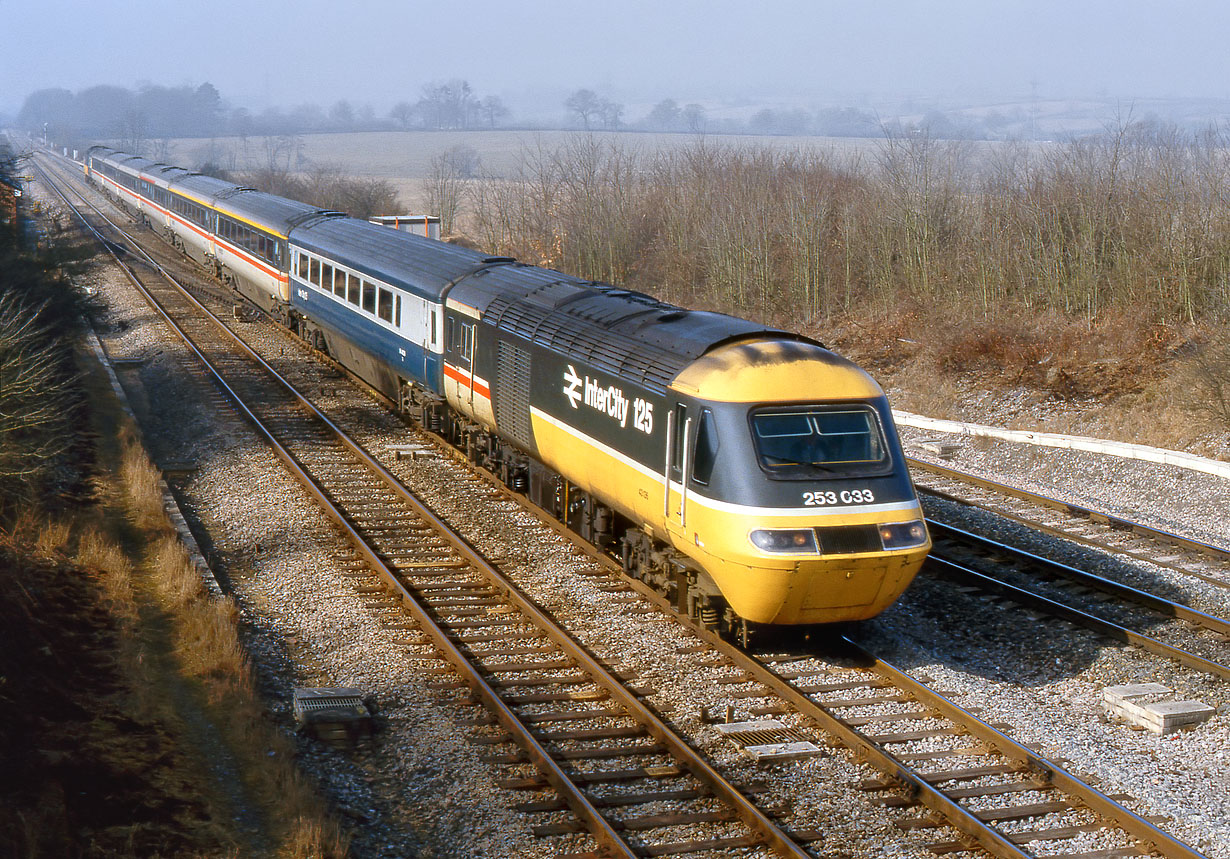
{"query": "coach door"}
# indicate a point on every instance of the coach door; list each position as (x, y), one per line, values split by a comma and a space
(678, 431)
(459, 338)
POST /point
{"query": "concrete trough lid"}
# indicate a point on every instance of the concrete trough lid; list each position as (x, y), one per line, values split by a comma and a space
(941, 448)
(768, 740)
(412, 451)
(1146, 705)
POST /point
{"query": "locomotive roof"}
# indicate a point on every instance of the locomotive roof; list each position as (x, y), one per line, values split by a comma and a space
(425, 267)
(627, 333)
(274, 214)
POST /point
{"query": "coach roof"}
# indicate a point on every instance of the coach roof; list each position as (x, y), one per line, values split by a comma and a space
(425, 267)
(203, 189)
(276, 215)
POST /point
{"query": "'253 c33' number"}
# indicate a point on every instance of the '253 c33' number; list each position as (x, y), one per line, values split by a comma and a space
(845, 496)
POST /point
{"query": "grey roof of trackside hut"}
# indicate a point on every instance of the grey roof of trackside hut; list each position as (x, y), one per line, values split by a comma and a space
(425, 267)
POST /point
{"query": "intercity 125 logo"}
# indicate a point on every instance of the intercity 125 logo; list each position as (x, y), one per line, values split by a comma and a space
(608, 399)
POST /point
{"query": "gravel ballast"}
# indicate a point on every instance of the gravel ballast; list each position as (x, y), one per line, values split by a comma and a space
(419, 787)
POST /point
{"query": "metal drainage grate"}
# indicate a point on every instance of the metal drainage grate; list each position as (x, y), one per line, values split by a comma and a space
(768, 740)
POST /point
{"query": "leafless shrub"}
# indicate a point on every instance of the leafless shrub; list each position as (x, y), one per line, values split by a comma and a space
(37, 402)
(1206, 379)
(445, 188)
(1132, 220)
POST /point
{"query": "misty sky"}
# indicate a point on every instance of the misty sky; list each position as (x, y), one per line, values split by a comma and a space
(273, 52)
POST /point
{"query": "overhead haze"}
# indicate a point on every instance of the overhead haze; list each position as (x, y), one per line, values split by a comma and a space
(532, 53)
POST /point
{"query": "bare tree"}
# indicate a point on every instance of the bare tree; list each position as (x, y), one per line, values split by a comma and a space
(444, 190)
(403, 112)
(494, 110)
(464, 160)
(611, 113)
(665, 116)
(451, 104)
(36, 417)
(585, 103)
(342, 114)
(134, 131)
(694, 118)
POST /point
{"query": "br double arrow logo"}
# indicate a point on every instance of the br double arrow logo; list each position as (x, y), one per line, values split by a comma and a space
(573, 390)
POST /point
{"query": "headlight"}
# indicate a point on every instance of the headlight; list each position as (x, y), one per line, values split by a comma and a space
(785, 540)
(903, 535)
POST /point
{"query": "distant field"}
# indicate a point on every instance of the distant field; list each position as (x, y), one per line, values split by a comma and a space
(404, 157)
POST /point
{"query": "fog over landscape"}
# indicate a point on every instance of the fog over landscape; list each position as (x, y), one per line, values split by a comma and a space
(893, 59)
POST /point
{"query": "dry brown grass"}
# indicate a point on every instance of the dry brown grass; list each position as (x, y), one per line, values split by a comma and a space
(208, 650)
(99, 552)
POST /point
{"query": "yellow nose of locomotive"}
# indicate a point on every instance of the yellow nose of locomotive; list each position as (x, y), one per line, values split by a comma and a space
(795, 581)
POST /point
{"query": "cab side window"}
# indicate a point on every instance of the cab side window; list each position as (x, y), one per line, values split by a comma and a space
(706, 448)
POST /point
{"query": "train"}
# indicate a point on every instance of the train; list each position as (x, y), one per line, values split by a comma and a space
(748, 473)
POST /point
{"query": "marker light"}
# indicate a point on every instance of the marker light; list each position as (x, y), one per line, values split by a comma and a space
(903, 535)
(785, 540)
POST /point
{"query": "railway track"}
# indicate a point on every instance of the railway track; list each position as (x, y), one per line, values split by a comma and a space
(1082, 525)
(993, 792)
(1099, 604)
(537, 683)
(1132, 615)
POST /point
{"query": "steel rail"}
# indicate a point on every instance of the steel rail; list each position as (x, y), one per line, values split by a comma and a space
(1108, 586)
(1133, 824)
(957, 572)
(755, 819)
(1117, 522)
(995, 843)
(577, 802)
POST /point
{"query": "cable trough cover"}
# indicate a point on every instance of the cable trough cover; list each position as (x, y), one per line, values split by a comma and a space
(335, 715)
(768, 740)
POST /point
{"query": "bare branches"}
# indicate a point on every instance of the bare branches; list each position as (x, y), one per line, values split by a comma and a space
(38, 400)
(1137, 219)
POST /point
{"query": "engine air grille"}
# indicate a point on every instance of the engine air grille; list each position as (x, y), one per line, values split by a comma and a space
(512, 404)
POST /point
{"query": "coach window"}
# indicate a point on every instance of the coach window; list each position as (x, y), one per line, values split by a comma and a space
(326, 277)
(315, 278)
(384, 307)
(397, 312)
(356, 290)
(339, 283)
(369, 297)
